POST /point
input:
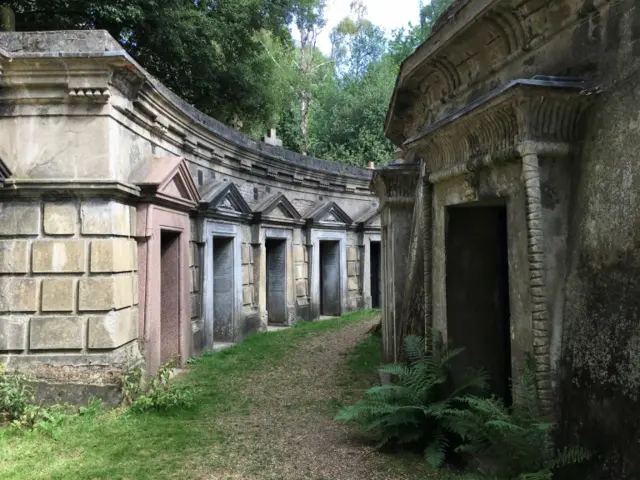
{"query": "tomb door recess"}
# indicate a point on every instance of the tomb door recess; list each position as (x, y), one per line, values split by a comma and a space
(330, 278)
(170, 295)
(223, 289)
(477, 283)
(375, 268)
(276, 252)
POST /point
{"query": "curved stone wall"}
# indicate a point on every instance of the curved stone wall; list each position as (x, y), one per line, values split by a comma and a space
(106, 162)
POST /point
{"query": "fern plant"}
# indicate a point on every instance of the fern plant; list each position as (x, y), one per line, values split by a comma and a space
(163, 394)
(510, 443)
(414, 410)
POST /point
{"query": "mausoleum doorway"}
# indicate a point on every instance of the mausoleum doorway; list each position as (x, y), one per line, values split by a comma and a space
(223, 289)
(276, 253)
(163, 227)
(375, 272)
(330, 278)
(477, 291)
(169, 291)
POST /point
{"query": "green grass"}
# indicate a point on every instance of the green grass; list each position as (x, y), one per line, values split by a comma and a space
(121, 445)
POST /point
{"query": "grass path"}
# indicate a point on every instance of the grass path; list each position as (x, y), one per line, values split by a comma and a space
(265, 411)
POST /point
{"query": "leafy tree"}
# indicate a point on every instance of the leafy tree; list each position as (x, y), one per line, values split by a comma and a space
(429, 13)
(207, 51)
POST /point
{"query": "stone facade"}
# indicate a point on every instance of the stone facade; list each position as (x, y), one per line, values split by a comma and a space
(515, 196)
(132, 223)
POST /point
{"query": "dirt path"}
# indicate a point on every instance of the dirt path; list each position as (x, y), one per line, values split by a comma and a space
(290, 434)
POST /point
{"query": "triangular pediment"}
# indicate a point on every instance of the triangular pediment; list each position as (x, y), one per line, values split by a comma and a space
(224, 197)
(167, 179)
(329, 212)
(330, 217)
(277, 206)
(280, 212)
(176, 188)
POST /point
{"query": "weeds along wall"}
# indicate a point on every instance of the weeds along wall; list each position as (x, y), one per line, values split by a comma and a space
(133, 224)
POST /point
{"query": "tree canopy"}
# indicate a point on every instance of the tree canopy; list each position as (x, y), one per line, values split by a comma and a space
(237, 58)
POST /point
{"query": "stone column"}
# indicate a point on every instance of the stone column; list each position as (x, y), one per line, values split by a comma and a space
(427, 238)
(395, 187)
(535, 245)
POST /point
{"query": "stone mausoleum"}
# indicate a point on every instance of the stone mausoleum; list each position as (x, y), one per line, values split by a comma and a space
(131, 222)
(517, 197)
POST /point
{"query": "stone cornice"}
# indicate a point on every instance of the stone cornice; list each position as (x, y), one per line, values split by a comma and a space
(541, 110)
(395, 185)
(91, 68)
(59, 189)
(472, 42)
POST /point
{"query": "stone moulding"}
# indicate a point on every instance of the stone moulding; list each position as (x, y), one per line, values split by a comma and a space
(168, 195)
(328, 214)
(474, 40)
(224, 200)
(166, 181)
(213, 229)
(277, 208)
(523, 120)
(92, 65)
(491, 128)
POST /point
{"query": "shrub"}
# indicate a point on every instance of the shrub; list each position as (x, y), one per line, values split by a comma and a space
(15, 395)
(511, 443)
(161, 394)
(410, 412)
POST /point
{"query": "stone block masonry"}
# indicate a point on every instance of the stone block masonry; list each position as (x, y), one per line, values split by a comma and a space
(68, 280)
(103, 251)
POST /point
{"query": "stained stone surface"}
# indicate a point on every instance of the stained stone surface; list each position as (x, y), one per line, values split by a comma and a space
(223, 291)
(330, 277)
(276, 281)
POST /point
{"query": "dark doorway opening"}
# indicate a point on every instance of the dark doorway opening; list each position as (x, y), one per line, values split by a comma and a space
(374, 265)
(170, 295)
(223, 289)
(276, 252)
(478, 316)
(330, 278)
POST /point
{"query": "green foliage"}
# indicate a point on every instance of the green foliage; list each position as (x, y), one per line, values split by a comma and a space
(206, 51)
(16, 395)
(162, 394)
(410, 412)
(511, 443)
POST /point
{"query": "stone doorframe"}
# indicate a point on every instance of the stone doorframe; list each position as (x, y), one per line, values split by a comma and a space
(270, 233)
(152, 221)
(518, 124)
(211, 229)
(315, 237)
(365, 245)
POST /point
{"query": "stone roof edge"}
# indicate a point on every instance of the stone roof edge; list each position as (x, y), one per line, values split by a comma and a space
(445, 29)
(210, 124)
(538, 82)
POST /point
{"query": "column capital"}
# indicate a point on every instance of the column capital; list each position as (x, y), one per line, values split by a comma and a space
(396, 184)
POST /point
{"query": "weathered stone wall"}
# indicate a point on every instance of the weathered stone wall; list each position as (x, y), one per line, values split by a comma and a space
(68, 284)
(80, 121)
(579, 216)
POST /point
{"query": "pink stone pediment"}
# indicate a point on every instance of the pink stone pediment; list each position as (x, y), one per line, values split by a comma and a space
(166, 180)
